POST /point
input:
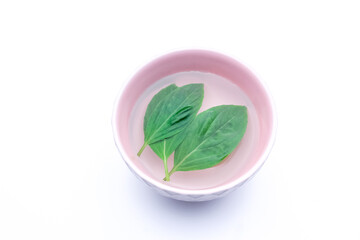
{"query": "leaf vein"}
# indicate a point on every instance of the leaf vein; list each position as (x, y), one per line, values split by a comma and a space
(170, 116)
(204, 140)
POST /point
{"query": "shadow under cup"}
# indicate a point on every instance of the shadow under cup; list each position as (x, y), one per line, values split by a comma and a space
(222, 76)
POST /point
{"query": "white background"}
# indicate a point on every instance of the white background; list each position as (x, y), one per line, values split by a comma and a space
(62, 64)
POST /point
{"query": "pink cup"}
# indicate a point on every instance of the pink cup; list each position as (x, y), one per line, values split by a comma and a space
(207, 62)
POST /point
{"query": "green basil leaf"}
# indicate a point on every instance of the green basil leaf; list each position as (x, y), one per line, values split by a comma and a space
(212, 136)
(155, 101)
(166, 147)
(170, 111)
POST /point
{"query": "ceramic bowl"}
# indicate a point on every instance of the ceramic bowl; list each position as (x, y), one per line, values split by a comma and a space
(220, 180)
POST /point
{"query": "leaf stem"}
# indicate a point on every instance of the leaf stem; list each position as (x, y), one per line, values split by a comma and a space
(142, 149)
(167, 176)
(172, 171)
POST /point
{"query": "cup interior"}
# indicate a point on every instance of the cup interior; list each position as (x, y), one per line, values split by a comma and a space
(253, 149)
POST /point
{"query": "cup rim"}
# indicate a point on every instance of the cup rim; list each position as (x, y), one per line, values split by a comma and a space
(238, 181)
